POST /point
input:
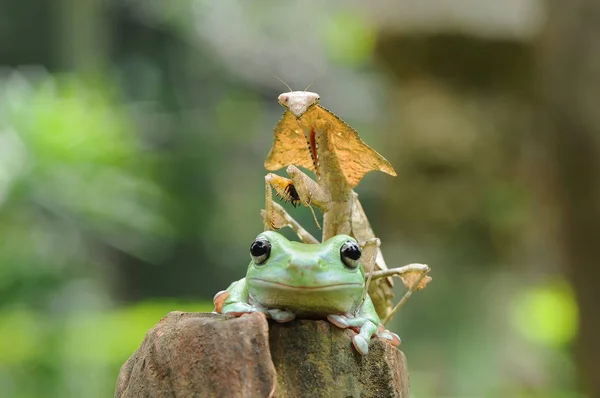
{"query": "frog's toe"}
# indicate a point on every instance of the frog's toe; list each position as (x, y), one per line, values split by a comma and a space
(391, 338)
(281, 316)
(219, 300)
(238, 309)
(339, 320)
(361, 344)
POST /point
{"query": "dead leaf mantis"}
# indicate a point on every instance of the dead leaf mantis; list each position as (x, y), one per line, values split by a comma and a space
(314, 138)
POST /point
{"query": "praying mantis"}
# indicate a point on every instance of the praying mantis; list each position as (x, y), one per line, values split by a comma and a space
(312, 137)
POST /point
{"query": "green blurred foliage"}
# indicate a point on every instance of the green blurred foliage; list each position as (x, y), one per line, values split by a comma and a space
(72, 175)
(547, 314)
(350, 41)
(77, 352)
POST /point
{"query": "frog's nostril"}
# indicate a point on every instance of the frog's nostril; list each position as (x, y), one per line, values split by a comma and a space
(300, 265)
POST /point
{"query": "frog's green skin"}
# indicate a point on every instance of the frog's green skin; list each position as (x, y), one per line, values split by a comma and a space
(307, 281)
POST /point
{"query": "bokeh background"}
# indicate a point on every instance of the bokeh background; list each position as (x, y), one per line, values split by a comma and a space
(132, 141)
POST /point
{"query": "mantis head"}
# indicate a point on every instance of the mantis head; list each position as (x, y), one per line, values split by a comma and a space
(298, 102)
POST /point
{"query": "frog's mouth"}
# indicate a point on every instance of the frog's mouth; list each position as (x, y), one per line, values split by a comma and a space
(334, 286)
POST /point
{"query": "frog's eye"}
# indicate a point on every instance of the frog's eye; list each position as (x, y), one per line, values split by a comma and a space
(350, 253)
(260, 250)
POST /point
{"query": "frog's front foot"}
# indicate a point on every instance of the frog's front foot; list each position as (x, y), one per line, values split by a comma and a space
(365, 330)
(233, 308)
(281, 316)
(391, 337)
(219, 300)
(239, 309)
(341, 321)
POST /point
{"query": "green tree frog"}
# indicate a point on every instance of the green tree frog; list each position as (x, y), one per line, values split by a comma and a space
(287, 279)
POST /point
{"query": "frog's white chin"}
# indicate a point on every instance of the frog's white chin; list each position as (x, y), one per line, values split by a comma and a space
(339, 298)
(272, 284)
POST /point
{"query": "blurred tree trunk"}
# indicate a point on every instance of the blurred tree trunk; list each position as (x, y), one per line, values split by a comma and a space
(459, 111)
(570, 99)
(460, 107)
(82, 40)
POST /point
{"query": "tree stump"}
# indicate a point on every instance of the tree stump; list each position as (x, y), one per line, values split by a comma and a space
(210, 355)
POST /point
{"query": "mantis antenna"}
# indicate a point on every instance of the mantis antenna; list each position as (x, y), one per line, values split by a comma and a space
(277, 77)
(307, 87)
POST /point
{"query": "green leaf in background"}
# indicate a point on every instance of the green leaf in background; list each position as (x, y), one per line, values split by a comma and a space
(349, 39)
(79, 159)
(546, 314)
(112, 336)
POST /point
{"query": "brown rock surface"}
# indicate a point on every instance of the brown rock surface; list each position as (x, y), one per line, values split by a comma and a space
(208, 355)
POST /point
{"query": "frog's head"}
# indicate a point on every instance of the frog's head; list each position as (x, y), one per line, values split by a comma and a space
(320, 278)
(298, 102)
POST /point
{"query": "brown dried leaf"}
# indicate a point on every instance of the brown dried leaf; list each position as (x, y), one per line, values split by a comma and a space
(410, 278)
(289, 145)
(355, 158)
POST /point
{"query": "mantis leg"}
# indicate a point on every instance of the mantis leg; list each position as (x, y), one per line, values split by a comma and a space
(284, 188)
(380, 290)
(299, 189)
(278, 218)
(370, 248)
(307, 190)
(362, 231)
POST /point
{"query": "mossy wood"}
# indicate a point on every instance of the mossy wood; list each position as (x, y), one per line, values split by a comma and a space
(208, 355)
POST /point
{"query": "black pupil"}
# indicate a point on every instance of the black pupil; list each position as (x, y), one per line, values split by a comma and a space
(351, 251)
(259, 248)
